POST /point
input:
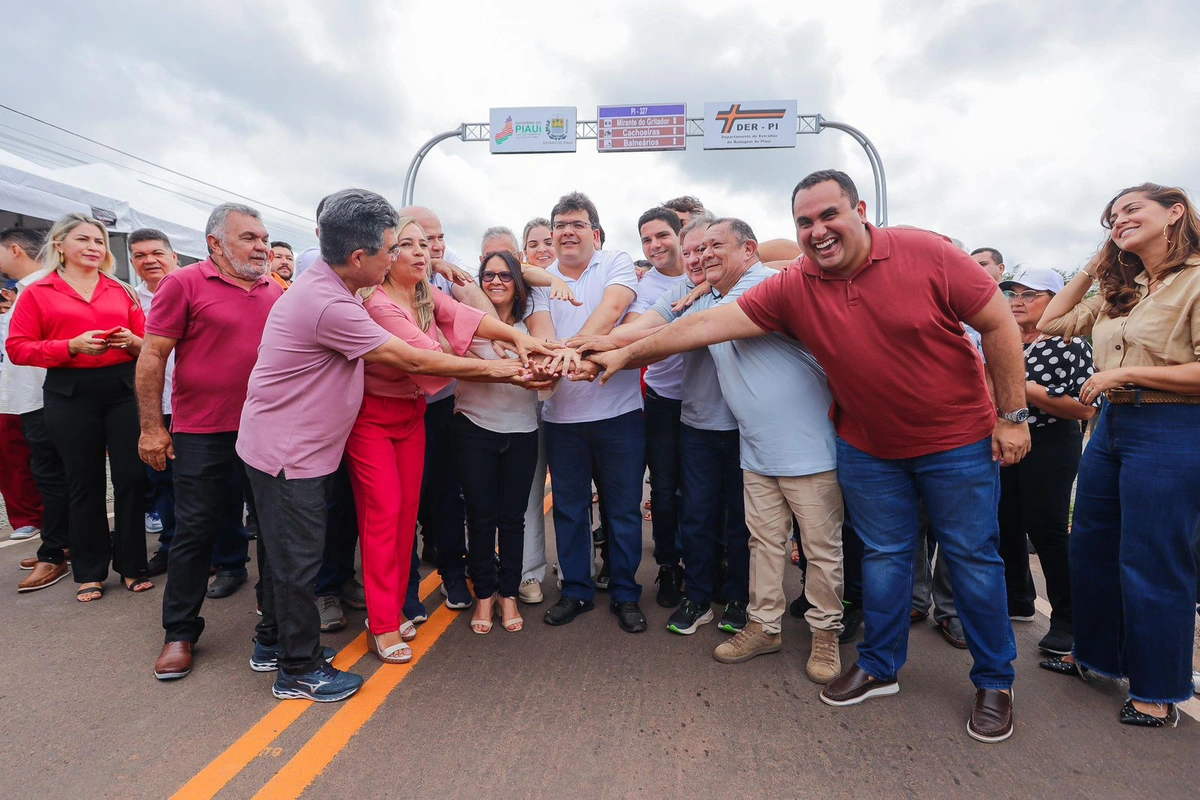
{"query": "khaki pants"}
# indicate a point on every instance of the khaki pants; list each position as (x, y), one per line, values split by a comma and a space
(816, 501)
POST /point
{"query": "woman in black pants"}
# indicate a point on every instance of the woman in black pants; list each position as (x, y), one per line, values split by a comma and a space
(85, 327)
(1035, 494)
(495, 447)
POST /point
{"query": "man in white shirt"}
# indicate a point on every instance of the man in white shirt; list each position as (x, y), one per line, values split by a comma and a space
(659, 229)
(21, 394)
(593, 429)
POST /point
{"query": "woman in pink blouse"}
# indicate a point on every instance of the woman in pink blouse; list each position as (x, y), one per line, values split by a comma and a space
(386, 448)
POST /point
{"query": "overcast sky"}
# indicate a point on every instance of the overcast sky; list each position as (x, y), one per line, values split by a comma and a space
(1008, 124)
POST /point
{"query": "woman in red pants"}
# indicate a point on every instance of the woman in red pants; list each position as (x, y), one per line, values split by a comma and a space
(386, 448)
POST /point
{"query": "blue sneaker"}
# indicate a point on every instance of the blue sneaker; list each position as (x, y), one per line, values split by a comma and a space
(458, 596)
(153, 523)
(266, 657)
(414, 611)
(323, 685)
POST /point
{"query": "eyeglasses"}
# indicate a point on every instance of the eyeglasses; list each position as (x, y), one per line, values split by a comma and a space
(575, 225)
(1025, 297)
(489, 276)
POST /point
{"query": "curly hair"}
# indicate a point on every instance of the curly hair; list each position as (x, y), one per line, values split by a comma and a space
(1118, 269)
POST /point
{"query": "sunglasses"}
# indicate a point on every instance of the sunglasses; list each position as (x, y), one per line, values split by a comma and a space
(489, 276)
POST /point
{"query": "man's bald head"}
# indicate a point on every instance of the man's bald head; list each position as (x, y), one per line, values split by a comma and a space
(432, 226)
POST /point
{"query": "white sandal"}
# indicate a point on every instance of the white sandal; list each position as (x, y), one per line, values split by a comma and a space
(396, 654)
(408, 631)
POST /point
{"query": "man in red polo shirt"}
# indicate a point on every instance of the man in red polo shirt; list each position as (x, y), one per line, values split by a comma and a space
(882, 310)
(212, 316)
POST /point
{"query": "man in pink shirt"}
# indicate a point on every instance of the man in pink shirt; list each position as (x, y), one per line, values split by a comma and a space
(304, 395)
(211, 315)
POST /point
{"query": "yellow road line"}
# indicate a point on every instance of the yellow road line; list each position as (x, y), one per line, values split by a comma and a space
(334, 735)
(238, 756)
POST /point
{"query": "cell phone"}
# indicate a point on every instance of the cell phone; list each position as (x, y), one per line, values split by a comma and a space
(111, 332)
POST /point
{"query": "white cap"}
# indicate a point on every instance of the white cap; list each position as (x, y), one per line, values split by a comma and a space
(1040, 280)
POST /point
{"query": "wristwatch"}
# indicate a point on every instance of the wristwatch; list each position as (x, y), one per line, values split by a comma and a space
(1018, 416)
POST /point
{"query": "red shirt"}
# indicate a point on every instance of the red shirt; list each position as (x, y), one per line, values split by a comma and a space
(218, 326)
(905, 379)
(51, 313)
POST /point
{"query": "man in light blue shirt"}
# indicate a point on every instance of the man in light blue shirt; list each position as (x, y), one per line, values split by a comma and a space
(778, 394)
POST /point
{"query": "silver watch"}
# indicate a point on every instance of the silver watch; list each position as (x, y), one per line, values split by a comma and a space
(1018, 416)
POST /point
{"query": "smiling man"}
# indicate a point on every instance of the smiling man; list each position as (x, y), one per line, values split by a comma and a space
(778, 395)
(659, 231)
(283, 262)
(210, 317)
(882, 310)
(593, 429)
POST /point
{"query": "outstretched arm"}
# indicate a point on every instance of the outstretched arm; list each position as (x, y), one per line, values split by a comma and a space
(695, 330)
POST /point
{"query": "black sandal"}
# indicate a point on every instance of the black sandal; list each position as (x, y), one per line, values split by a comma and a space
(1131, 716)
(98, 590)
(1063, 667)
(143, 582)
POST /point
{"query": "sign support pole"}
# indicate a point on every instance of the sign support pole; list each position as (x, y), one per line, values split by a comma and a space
(587, 129)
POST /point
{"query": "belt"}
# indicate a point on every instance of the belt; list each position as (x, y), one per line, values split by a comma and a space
(1138, 397)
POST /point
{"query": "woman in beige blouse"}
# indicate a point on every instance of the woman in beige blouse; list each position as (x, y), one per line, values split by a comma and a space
(1137, 512)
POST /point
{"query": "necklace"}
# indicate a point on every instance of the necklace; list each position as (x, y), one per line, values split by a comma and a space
(1030, 346)
(81, 288)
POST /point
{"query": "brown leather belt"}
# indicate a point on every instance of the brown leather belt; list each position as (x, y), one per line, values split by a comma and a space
(1137, 397)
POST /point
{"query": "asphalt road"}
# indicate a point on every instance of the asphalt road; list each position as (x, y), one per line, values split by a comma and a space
(584, 710)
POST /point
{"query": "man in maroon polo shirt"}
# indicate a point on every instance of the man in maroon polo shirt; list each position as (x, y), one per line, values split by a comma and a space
(212, 315)
(882, 310)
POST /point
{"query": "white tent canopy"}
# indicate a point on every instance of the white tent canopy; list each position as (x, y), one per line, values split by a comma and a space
(125, 201)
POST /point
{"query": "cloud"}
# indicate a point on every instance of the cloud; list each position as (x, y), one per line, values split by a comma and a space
(1008, 124)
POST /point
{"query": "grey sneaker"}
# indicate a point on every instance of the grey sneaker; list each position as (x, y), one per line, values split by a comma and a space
(332, 618)
(749, 642)
(824, 662)
(354, 594)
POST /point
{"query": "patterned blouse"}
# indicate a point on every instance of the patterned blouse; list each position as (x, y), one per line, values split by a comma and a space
(1061, 367)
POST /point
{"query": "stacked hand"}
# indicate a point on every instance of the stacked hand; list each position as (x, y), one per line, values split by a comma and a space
(122, 339)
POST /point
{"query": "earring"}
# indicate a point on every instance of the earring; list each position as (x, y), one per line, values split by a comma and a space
(1166, 228)
(1121, 260)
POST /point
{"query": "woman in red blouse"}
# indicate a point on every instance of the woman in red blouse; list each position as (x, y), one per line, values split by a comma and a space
(85, 328)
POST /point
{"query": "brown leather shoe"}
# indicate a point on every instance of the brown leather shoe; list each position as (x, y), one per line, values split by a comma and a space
(175, 661)
(992, 717)
(853, 686)
(44, 574)
(32, 561)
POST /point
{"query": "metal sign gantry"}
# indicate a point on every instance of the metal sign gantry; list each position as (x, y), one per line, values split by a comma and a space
(587, 129)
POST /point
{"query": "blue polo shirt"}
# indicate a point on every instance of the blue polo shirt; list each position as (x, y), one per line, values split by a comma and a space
(776, 391)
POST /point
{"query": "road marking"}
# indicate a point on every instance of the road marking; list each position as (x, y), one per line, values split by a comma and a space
(238, 756)
(312, 759)
(11, 542)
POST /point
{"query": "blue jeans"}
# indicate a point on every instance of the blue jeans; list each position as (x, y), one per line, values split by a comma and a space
(662, 457)
(612, 450)
(961, 491)
(1133, 548)
(711, 478)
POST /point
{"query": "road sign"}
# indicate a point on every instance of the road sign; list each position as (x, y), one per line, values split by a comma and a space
(744, 125)
(641, 128)
(533, 130)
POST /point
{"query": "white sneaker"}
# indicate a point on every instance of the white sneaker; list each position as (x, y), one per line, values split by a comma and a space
(1196, 682)
(24, 532)
(530, 592)
(153, 523)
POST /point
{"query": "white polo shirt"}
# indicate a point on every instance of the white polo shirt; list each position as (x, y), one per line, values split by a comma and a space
(582, 401)
(147, 299)
(664, 377)
(20, 385)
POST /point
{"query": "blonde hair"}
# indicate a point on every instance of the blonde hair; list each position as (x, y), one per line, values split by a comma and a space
(423, 295)
(52, 259)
